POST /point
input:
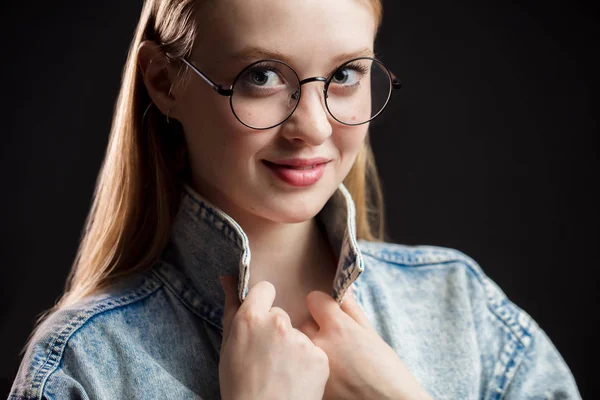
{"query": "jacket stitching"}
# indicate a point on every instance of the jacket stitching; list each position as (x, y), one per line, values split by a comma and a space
(56, 347)
(183, 300)
(226, 230)
(497, 303)
(513, 320)
(513, 351)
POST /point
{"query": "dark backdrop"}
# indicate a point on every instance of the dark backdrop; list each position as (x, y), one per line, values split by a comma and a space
(491, 148)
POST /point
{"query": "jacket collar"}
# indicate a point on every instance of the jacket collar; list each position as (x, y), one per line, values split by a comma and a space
(206, 243)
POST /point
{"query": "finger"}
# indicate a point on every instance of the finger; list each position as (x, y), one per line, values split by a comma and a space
(232, 304)
(310, 329)
(260, 298)
(279, 310)
(351, 307)
(322, 307)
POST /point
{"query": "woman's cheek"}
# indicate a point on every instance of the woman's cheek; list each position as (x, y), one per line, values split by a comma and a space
(349, 142)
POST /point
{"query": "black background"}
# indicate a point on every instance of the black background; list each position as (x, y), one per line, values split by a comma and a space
(490, 147)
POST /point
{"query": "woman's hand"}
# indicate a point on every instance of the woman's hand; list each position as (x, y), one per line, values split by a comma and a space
(262, 355)
(362, 365)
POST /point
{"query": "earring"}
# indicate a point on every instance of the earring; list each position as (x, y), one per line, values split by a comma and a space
(168, 112)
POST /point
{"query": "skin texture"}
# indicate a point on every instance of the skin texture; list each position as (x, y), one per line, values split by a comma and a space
(285, 344)
(227, 157)
(227, 166)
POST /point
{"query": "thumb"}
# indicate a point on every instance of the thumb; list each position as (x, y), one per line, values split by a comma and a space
(351, 307)
(323, 308)
(232, 303)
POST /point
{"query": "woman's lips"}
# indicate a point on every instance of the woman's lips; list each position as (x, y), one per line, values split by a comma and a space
(298, 175)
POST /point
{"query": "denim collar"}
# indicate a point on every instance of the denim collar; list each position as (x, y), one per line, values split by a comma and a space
(205, 243)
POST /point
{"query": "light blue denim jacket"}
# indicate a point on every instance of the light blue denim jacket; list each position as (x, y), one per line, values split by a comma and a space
(157, 335)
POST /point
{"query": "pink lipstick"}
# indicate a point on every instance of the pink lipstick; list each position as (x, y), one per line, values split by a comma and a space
(297, 171)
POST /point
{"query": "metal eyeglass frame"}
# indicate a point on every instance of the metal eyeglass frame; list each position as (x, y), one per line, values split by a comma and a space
(394, 83)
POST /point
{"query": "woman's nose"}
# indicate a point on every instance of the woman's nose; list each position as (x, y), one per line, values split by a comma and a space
(310, 121)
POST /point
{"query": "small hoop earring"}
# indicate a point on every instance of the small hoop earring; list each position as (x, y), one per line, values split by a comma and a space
(168, 112)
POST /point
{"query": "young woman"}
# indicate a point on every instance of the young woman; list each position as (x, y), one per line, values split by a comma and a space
(240, 149)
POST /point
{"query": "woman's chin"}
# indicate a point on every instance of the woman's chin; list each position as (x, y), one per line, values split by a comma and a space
(295, 212)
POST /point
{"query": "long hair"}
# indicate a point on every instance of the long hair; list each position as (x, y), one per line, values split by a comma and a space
(138, 189)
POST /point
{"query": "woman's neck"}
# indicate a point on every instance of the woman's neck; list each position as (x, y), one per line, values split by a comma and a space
(288, 254)
(295, 257)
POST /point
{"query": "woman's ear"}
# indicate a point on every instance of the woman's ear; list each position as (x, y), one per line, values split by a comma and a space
(158, 76)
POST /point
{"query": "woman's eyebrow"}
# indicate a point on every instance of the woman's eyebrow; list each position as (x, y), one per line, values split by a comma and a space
(364, 52)
(250, 54)
(255, 53)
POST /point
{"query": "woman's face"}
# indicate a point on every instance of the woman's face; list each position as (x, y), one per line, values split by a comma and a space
(231, 163)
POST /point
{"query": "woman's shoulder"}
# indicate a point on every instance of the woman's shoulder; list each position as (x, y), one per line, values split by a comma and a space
(431, 264)
(442, 302)
(437, 274)
(402, 255)
(80, 333)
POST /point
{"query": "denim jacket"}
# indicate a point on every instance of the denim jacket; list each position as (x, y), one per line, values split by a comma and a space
(157, 334)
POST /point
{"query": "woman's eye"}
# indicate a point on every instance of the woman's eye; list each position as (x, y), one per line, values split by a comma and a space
(264, 78)
(346, 76)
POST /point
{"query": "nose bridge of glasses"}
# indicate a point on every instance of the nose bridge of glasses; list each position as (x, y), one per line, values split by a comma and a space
(296, 94)
(313, 79)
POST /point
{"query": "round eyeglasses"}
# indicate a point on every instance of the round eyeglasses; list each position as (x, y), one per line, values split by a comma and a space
(267, 92)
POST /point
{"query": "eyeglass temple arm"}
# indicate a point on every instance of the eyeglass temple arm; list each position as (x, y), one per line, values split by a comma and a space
(217, 88)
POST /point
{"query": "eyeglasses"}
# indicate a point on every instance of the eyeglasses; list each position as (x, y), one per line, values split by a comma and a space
(267, 92)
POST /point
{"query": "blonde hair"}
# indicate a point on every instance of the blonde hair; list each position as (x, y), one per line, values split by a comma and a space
(138, 188)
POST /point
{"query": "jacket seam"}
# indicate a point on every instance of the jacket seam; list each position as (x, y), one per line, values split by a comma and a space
(230, 235)
(482, 281)
(445, 256)
(522, 338)
(76, 322)
(183, 300)
(515, 359)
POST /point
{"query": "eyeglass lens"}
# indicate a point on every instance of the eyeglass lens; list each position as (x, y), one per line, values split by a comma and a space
(267, 93)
